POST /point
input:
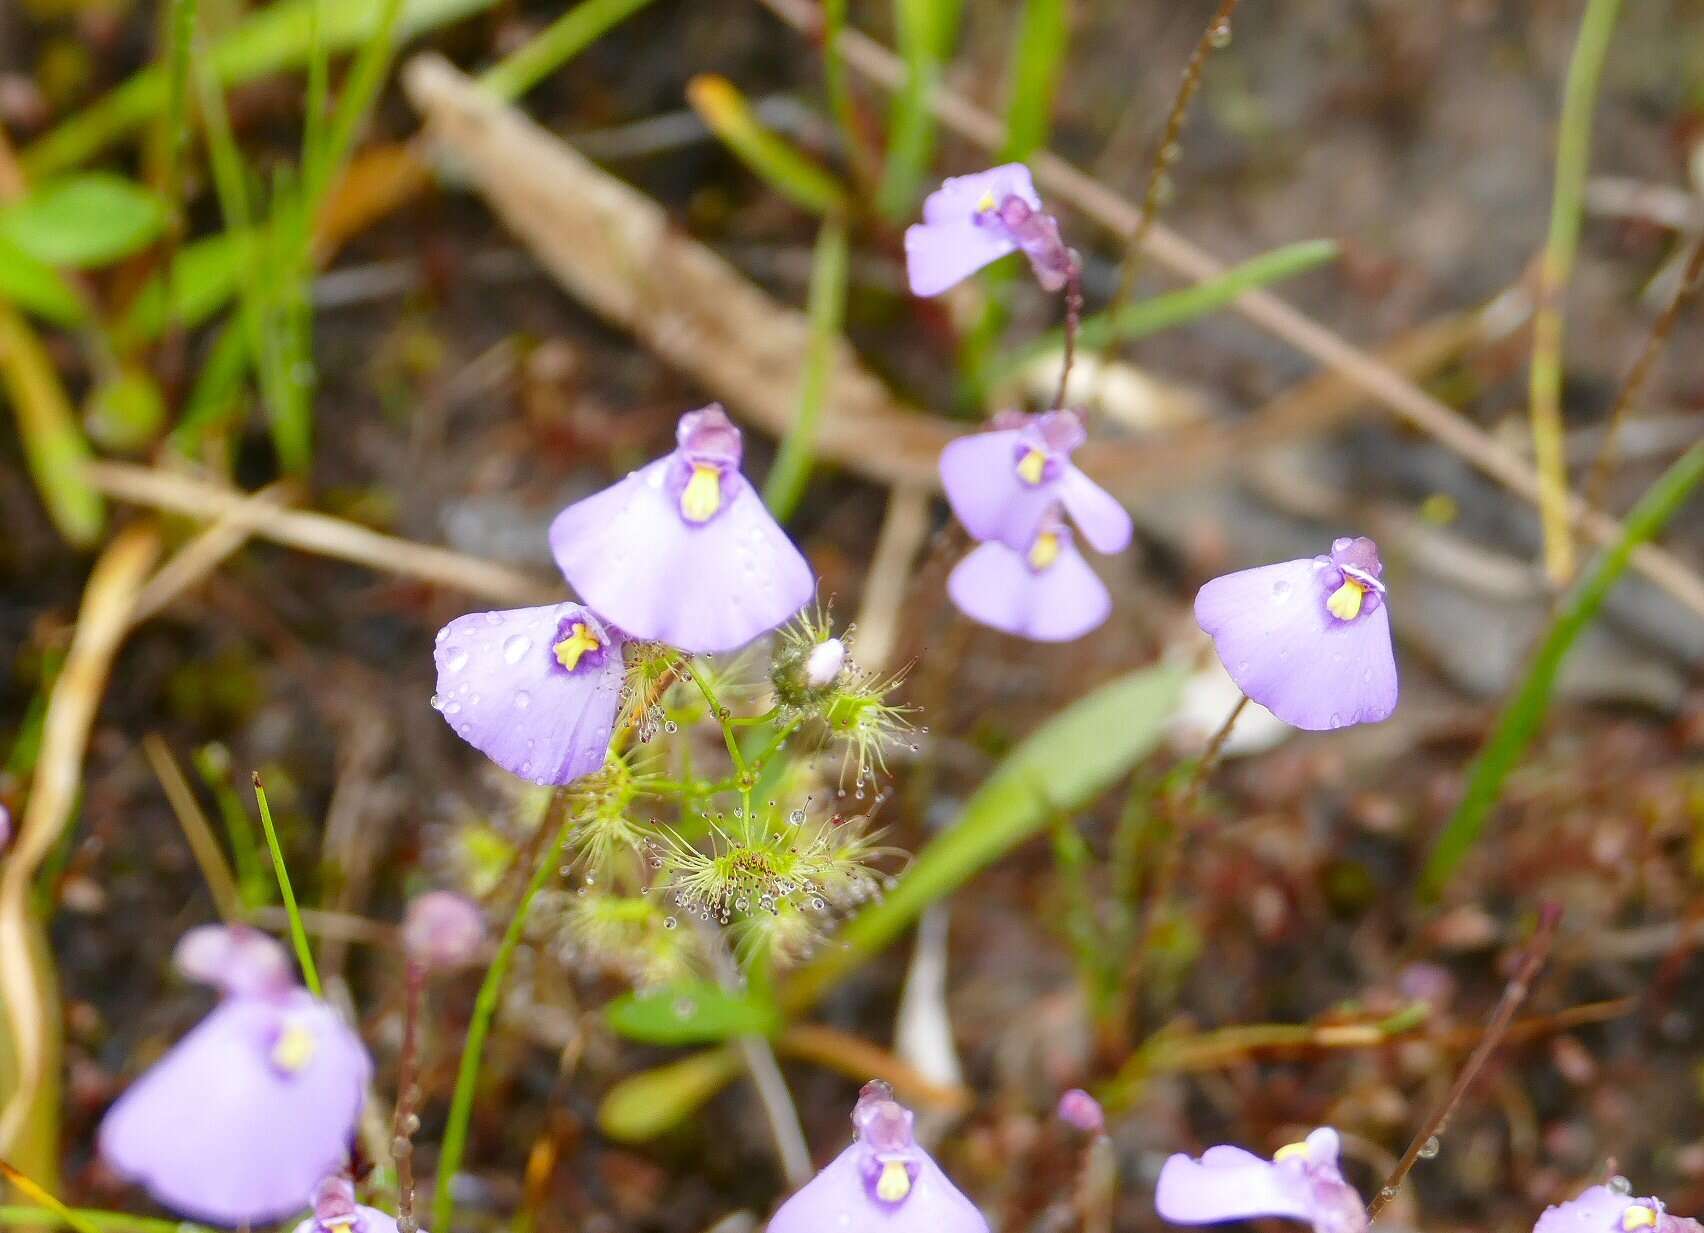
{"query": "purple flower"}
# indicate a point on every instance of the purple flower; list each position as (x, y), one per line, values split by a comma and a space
(1082, 1111)
(1307, 639)
(973, 220)
(335, 1211)
(1001, 484)
(883, 1181)
(1300, 1182)
(1612, 1209)
(683, 551)
(245, 1115)
(443, 931)
(1047, 593)
(536, 690)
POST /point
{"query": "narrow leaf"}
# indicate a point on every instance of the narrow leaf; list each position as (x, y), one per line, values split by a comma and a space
(691, 1013)
(773, 158)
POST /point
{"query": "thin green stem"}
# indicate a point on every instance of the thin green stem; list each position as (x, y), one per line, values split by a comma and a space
(719, 713)
(298, 933)
(792, 469)
(1573, 158)
(555, 45)
(484, 1011)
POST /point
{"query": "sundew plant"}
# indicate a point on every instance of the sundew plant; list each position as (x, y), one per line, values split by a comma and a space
(578, 623)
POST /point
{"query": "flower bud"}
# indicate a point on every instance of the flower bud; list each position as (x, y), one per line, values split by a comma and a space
(1079, 1109)
(443, 931)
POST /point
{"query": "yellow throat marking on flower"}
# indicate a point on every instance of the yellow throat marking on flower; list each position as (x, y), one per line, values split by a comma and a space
(1031, 467)
(986, 202)
(577, 643)
(341, 1225)
(1345, 601)
(1638, 1216)
(1291, 1151)
(894, 1183)
(295, 1048)
(1045, 550)
(703, 495)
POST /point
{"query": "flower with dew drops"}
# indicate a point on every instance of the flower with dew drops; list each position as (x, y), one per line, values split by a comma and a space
(683, 551)
(1002, 484)
(1613, 1209)
(973, 220)
(536, 690)
(1046, 593)
(244, 1116)
(1300, 1182)
(1308, 639)
(884, 1180)
(335, 1211)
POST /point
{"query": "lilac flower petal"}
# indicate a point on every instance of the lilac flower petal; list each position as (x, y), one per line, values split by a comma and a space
(963, 196)
(941, 255)
(995, 585)
(979, 475)
(839, 1198)
(1594, 1210)
(221, 1130)
(1099, 515)
(368, 1220)
(504, 691)
(1228, 1183)
(234, 959)
(1283, 648)
(703, 587)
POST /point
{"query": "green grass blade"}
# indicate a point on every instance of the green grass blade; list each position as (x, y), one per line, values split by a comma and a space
(1524, 712)
(774, 159)
(103, 1222)
(1573, 158)
(792, 469)
(927, 31)
(555, 45)
(1038, 57)
(1174, 308)
(54, 446)
(298, 933)
(454, 1144)
(275, 38)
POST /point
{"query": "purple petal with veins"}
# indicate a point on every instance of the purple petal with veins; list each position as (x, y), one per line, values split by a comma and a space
(536, 690)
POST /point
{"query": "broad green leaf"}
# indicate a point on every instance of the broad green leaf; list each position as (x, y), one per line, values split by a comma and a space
(653, 1102)
(84, 220)
(204, 276)
(37, 287)
(1524, 712)
(691, 1013)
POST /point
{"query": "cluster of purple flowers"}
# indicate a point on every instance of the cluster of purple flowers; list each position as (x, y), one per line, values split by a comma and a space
(681, 552)
(1308, 639)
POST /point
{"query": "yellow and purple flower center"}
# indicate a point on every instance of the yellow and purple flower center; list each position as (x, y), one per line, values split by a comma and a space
(579, 642)
(702, 496)
(295, 1047)
(1638, 1216)
(1032, 467)
(894, 1183)
(1045, 551)
(1291, 1151)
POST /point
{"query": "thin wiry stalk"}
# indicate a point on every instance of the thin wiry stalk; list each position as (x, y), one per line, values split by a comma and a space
(1514, 993)
(1216, 35)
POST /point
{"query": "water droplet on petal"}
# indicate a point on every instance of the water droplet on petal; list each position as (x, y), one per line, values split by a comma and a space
(1281, 590)
(522, 700)
(516, 647)
(437, 703)
(1619, 1185)
(456, 660)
